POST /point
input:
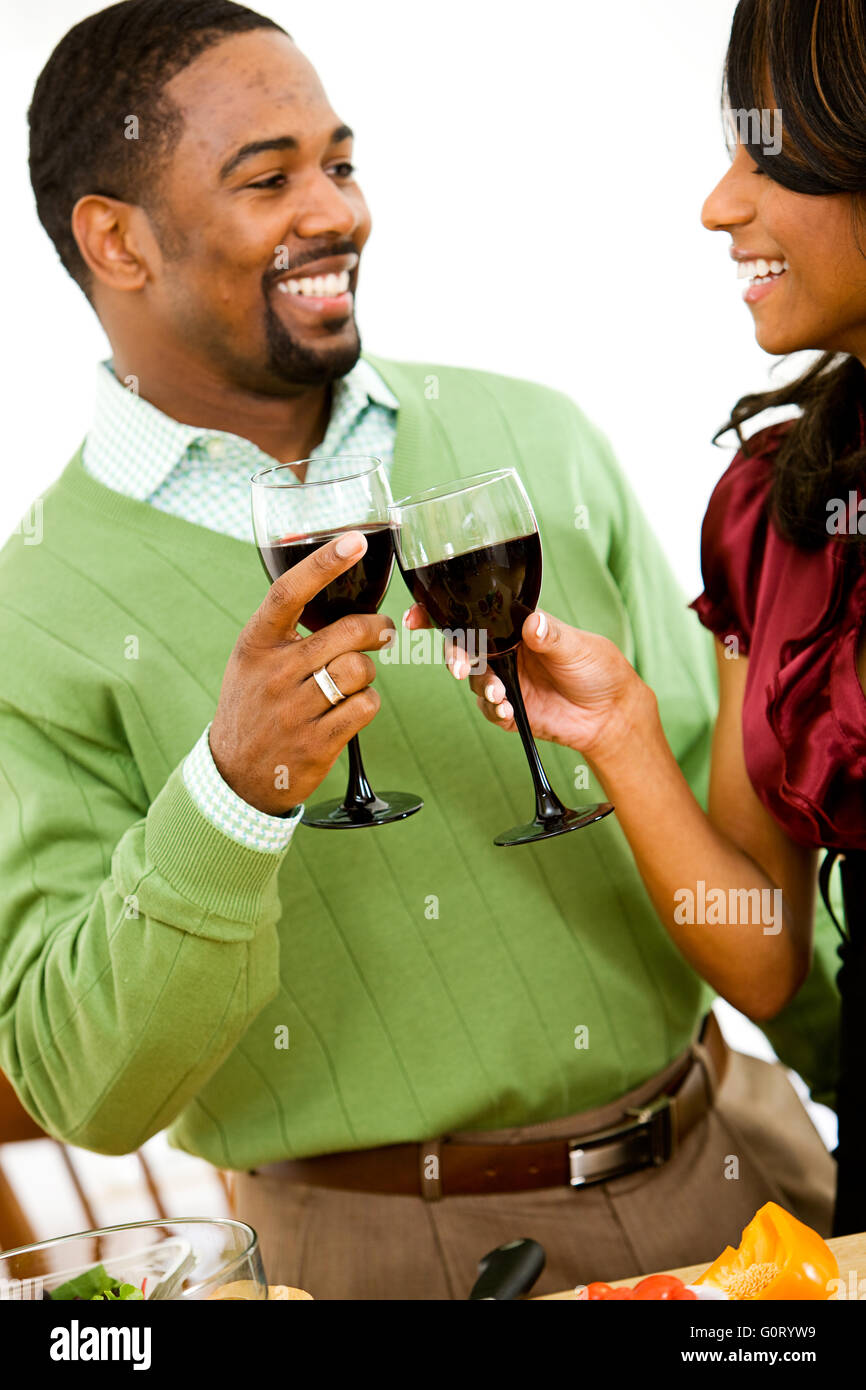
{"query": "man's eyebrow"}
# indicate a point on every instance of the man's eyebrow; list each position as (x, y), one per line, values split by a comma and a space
(280, 142)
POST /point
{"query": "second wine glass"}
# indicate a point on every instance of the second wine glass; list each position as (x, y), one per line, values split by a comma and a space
(470, 554)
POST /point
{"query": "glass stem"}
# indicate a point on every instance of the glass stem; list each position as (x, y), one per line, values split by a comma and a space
(359, 793)
(547, 804)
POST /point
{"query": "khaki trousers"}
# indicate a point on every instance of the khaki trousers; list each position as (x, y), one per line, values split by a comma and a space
(756, 1145)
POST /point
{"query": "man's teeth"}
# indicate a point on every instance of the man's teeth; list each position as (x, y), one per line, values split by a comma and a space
(761, 272)
(320, 287)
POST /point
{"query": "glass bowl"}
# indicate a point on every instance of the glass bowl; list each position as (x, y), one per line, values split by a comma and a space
(191, 1258)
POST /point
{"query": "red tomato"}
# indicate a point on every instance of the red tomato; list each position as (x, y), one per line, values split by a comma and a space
(661, 1286)
(597, 1292)
(655, 1287)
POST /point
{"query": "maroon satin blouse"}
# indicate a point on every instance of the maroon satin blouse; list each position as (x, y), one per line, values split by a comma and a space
(797, 615)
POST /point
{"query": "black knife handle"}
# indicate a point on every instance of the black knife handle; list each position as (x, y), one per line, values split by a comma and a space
(509, 1271)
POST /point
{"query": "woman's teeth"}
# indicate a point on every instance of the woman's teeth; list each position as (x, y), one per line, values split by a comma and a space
(761, 272)
(321, 287)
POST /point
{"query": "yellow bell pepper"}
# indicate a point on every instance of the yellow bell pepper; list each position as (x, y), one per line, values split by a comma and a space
(778, 1258)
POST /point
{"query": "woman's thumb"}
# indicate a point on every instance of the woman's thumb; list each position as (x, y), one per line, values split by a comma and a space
(543, 634)
(557, 643)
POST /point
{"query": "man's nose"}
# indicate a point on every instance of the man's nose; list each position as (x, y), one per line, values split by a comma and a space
(730, 203)
(326, 209)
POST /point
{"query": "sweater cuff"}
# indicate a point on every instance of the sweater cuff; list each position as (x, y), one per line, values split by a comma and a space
(228, 811)
(210, 870)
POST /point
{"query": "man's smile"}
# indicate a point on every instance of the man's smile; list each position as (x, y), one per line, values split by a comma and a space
(319, 289)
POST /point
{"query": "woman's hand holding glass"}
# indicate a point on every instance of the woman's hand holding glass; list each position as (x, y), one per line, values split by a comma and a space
(578, 688)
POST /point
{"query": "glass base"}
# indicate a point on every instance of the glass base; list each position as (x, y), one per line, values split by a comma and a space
(556, 825)
(335, 815)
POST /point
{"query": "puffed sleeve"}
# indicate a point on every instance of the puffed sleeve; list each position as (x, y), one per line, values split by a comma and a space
(733, 537)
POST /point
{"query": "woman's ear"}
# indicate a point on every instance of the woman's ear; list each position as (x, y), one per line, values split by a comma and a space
(114, 240)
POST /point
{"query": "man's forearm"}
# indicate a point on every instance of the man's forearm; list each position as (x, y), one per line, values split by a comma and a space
(126, 1008)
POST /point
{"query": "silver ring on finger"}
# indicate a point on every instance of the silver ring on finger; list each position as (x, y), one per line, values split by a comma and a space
(329, 688)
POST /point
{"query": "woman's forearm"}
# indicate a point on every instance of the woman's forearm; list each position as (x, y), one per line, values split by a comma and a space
(725, 914)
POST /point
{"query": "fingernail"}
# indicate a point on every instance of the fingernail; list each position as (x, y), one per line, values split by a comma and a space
(404, 619)
(541, 628)
(490, 692)
(347, 545)
(504, 711)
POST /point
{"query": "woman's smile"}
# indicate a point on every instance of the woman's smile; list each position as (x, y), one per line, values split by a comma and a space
(763, 272)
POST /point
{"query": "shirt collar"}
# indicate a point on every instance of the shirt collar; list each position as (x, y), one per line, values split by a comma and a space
(363, 381)
(121, 415)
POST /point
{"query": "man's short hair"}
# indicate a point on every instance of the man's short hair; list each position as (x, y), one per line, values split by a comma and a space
(111, 67)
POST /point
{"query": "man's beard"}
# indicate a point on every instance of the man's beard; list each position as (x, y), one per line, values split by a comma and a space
(294, 363)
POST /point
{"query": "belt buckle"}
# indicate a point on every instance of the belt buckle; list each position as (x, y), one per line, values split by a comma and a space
(609, 1153)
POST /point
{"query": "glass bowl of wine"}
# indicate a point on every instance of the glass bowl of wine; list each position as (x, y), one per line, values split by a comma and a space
(293, 515)
(470, 553)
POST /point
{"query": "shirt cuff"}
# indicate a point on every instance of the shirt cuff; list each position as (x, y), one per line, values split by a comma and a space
(229, 812)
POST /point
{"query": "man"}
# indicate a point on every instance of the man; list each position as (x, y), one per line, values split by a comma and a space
(406, 1043)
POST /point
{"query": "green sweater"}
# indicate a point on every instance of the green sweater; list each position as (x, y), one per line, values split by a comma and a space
(152, 970)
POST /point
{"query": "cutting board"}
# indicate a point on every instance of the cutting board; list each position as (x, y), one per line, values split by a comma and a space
(850, 1251)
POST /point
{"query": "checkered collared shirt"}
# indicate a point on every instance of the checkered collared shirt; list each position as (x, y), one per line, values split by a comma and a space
(203, 475)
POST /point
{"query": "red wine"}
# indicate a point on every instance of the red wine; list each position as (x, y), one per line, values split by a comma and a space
(494, 589)
(360, 590)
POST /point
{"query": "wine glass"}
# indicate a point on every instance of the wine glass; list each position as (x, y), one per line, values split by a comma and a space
(470, 553)
(291, 519)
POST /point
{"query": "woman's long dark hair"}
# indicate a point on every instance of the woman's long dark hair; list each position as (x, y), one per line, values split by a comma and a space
(807, 58)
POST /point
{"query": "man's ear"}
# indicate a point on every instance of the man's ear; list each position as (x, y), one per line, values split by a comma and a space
(115, 241)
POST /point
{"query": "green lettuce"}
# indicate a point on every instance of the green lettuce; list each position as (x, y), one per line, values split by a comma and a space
(93, 1284)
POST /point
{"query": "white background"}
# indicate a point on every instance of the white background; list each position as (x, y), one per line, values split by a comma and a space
(536, 174)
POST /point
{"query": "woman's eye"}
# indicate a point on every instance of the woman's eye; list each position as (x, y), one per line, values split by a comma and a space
(344, 169)
(275, 181)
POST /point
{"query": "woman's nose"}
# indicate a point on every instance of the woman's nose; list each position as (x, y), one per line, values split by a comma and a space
(729, 205)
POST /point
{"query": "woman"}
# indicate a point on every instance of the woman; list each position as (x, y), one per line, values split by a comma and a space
(785, 589)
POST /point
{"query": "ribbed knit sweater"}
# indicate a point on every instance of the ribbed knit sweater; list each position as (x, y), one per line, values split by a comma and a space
(360, 988)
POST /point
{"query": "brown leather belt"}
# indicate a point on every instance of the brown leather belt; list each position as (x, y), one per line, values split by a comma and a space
(647, 1136)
